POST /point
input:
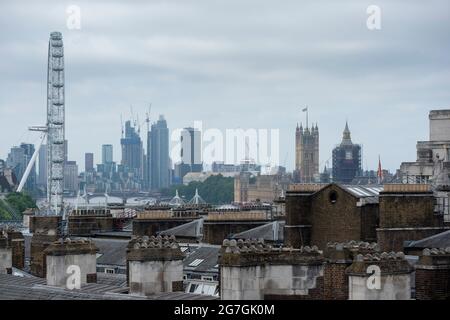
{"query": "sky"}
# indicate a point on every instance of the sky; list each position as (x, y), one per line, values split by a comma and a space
(231, 64)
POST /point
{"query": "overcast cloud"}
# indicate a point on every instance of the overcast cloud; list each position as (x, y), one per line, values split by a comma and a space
(231, 64)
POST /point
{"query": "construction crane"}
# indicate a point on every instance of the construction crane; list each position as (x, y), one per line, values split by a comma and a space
(121, 124)
(147, 117)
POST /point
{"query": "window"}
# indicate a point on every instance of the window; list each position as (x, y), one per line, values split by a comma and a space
(333, 196)
(348, 155)
(193, 287)
(109, 270)
(205, 278)
(195, 263)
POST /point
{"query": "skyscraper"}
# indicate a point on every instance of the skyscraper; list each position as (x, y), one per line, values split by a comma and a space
(28, 148)
(18, 159)
(42, 175)
(191, 149)
(191, 156)
(132, 153)
(88, 162)
(307, 154)
(71, 176)
(346, 159)
(158, 155)
(107, 153)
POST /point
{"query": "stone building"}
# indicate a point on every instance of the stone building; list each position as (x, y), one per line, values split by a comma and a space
(433, 156)
(346, 159)
(307, 154)
(264, 188)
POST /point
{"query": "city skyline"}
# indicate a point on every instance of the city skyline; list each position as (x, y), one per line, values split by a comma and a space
(221, 77)
(229, 153)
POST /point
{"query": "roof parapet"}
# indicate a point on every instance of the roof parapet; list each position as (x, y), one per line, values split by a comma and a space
(406, 188)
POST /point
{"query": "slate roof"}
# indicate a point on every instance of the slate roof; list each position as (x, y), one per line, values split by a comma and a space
(187, 230)
(112, 251)
(33, 288)
(272, 231)
(115, 279)
(25, 288)
(440, 240)
(209, 254)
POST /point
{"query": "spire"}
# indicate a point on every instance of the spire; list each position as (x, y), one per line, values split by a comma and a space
(346, 138)
(380, 171)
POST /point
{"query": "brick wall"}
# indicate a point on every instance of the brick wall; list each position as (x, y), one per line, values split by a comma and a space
(17, 243)
(38, 263)
(46, 230)
(339, 221)
(313, 219)
(433, 275)
(407, 210)
(84, 225)
(297, 231)
(339, 256)
(336, 281)
(392, 239)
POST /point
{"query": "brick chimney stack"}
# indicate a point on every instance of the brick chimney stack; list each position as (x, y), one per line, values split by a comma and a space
(64, 258)
(394, 277)
(17, 243)
(433, 275)
(5, 255)
(339, 256)
(155, 265)
(46, 230)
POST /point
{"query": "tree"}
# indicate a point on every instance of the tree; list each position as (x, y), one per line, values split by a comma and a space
(18, 201)
(216, 189)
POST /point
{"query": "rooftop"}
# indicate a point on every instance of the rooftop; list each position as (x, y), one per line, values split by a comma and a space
(32, 288)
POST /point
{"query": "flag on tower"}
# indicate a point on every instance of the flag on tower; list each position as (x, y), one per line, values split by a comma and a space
(305, 109)
(380, 171)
